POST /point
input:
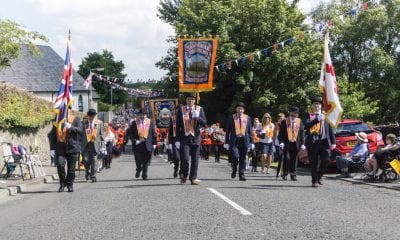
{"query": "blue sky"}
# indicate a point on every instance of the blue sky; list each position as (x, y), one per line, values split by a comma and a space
(130, 29)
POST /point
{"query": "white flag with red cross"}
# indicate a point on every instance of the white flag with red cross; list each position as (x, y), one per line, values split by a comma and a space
(328, 84)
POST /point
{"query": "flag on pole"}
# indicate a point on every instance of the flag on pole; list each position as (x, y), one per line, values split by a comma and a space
(64, 97)
(328, 84)
(88, 81)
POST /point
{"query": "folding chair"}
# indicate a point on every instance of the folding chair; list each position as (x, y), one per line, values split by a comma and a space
(11, 157)
(37, 166)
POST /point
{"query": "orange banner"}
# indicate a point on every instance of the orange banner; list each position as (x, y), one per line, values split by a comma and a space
(196, 63)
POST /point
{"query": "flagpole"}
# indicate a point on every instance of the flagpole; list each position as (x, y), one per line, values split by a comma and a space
(68, 47)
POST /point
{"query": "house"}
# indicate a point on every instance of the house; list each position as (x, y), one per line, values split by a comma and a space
(42, 75)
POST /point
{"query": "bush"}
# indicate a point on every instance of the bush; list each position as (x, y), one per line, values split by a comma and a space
(22, 109)
(105, 107)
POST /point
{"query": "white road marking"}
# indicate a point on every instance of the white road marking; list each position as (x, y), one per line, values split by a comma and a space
(230, 202)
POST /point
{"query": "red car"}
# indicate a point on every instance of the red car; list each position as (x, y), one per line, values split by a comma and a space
(346, 139)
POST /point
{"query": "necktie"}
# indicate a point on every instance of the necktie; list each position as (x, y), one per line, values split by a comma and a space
(240, 122)
(190, 113)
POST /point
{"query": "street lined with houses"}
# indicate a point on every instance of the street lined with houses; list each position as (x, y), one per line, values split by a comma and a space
(119, 206)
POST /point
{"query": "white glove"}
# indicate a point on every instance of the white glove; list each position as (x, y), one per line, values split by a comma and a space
(226, 146)
(262, 131)
(302, 147)
(52, 153)
(195, 114)
(252, 146)
(154, 146)
(282, 145)
(178, 145)
(333, 146)
(67, 125)
(321, 117)
(137, 142)
(170, 146)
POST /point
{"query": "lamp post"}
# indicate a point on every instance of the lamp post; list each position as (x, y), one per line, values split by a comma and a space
(91, 97)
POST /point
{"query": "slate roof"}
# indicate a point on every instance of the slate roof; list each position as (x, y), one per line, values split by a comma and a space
(39, 74)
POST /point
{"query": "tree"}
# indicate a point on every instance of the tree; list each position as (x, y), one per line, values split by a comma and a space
(365, 50)
(12, 35)
(286, 77)
(112, 68)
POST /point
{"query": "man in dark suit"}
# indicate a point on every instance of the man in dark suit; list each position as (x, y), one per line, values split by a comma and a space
(94, 142)
(189, 119)
(239, 139)
(291, 140)
(144, 138)
(65, 147)
(320, 140)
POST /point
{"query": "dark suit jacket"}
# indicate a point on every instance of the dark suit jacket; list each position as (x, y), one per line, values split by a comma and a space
(74, 140)
(151, 137)
(330, 135)
(230, 134)
(199, 122)
(171, 138)
(100, 138)
(283, 134)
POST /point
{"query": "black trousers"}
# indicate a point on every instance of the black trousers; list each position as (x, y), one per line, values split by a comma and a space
(176, 158)
(218, 149)
(69, 160)
(192, 152)
(142, 158)
(206, 151)
(254, 157)
(238, 155)
(319, 156)
(290, 158)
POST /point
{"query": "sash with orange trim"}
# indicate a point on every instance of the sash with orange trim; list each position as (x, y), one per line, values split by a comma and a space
(143, 129)
(293, 133)
(91, 133)
(240, 129)
(188, 123)
(255, 138)
(63, 134)
(315, 129)
(269, 130)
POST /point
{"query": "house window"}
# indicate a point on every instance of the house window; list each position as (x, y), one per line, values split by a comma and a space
(80, 103)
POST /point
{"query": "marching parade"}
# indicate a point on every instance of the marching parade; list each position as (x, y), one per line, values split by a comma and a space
(194, 119)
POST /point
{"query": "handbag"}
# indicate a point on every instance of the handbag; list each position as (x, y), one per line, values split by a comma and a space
(395, 164)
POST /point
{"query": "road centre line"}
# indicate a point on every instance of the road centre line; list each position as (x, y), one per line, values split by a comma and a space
(230, 202)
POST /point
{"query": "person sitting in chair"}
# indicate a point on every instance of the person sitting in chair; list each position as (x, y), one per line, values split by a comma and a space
(359, 153)
(377, 161)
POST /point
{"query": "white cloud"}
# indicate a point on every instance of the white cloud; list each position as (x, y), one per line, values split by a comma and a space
(129, 29)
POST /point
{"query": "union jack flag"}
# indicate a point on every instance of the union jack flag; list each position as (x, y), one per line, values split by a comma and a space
(64, 97)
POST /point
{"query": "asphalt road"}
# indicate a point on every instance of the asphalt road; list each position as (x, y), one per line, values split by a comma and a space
(119, 206)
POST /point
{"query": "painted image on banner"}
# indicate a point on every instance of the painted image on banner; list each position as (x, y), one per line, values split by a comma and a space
(197, 60)
(164, 110)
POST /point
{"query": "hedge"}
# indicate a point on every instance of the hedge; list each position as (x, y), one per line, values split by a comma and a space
(22, 109)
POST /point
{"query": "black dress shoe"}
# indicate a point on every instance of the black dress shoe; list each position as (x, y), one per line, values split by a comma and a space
(94, 179)
(175, 174)
(320, 183)
(284, 177)
(61, 188)
(233, 175)
(145, 178)
(87, 176)
(70, 188)
(137, 174)
(242, 178)
(293, 177)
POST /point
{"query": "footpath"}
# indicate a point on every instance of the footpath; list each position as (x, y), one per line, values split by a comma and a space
(14, 184)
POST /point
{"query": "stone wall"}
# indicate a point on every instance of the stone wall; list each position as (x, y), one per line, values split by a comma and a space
(35, 141)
